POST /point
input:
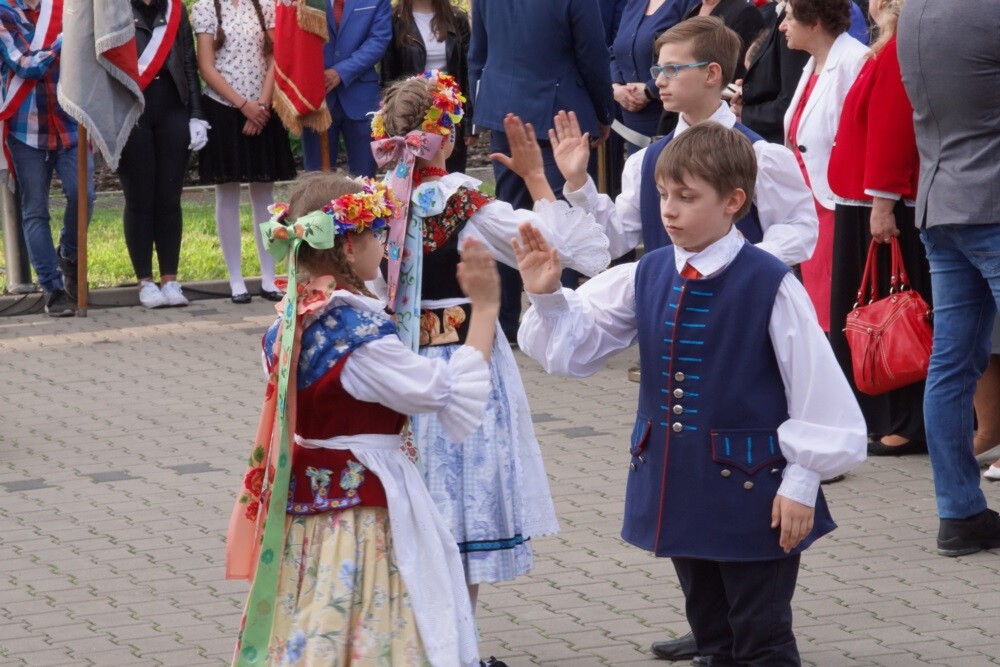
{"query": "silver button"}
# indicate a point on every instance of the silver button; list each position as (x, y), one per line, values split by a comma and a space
(725, 473)
(678, 393)
(678, 427)
(679, 376)
(632, 466)
(642, 458)
(747, 485)
(774, 471)
(678, 409)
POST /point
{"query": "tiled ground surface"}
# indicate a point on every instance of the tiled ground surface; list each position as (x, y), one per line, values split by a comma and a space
(122, 441)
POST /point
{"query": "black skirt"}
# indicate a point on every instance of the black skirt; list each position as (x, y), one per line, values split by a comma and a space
(898, 412)
(233, 157)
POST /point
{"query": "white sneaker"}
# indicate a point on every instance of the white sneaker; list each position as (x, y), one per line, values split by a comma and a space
(992, 473)
(988, 457)
(172, 293)
(150, 295)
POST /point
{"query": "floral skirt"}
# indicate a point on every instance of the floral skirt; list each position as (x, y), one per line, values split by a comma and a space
(341, 599)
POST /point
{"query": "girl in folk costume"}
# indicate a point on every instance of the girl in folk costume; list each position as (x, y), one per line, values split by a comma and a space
(491, 488)
(246, 144)
(155, 157)
(350, 561)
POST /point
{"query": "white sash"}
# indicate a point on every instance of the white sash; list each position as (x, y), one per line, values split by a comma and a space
(38, 42)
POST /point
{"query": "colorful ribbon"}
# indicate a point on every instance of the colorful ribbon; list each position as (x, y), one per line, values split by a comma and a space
(281, 240)
(403, 151)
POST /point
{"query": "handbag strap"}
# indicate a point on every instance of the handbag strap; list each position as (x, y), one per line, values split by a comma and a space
(900, 280)
(869, 282)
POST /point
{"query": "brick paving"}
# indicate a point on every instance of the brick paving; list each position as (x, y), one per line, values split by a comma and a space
(122, 441)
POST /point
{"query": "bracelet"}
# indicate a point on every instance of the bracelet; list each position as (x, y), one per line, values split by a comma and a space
(244, 104)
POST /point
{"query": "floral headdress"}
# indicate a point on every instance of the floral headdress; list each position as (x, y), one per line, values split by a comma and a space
(442, 116)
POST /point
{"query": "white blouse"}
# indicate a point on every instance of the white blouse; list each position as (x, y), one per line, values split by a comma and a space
(241, 60)
(784, 202)
(437, 57)
(575, 333)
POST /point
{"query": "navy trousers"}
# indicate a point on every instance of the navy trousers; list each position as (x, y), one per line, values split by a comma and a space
(357, 142)
(741, 613)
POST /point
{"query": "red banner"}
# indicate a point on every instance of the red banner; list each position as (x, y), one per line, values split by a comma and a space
(300, 91)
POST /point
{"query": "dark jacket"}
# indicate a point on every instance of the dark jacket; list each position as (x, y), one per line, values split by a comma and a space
(181, 63)
(411, 58)
(771, 81)
(740, 16)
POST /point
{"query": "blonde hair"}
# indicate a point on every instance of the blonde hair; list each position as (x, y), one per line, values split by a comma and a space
(886, 24)
(404, 105)
(312, 192)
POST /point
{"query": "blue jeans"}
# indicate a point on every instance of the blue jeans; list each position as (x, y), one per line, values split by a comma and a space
(965, 282)
(357, 142)
(33, 167)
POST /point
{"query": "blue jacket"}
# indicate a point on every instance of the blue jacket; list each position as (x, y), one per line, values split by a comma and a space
(354, 50)
(536, 58)
(611, 16)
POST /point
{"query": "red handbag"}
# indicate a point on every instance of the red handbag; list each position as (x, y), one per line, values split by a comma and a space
(890, 338)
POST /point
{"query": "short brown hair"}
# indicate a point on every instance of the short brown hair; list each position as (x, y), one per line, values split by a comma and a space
(722, 157)
(834, 16)
(711, 41)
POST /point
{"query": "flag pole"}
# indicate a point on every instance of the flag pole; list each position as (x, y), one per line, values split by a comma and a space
(82, 217)
(324, 149)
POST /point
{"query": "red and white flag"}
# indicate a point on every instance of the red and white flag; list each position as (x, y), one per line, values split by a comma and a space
(299, 89)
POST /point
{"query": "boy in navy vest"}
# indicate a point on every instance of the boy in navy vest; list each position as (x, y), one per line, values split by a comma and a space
(742, 408)
(696, 60)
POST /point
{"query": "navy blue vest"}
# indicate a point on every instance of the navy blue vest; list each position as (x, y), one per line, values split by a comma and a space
(706, 464)
(653, 234)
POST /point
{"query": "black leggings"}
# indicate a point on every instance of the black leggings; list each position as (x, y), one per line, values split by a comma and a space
(151, 172)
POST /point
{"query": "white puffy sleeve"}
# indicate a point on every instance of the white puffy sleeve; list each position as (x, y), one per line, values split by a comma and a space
(784, 204)
(203, 18)
(574, 333)
(387, 372)
(620, 218)
(581, 242)
(268, 8)
(825, 434)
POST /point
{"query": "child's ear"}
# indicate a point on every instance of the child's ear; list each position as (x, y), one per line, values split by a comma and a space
(714, 77)
(734, 201)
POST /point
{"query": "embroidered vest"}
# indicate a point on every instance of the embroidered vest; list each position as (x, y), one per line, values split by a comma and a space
(705, 461)
(323, 480)
(653, 234)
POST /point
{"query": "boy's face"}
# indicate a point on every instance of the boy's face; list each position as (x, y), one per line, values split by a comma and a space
(693, 87)
(694, 213)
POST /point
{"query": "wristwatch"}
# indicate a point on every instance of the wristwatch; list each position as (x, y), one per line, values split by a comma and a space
(649, 95)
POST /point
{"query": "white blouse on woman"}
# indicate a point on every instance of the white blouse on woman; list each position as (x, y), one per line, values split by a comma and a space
(241, 60)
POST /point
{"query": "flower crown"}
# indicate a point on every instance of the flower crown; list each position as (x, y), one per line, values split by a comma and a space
(371, 208)
(444, 113)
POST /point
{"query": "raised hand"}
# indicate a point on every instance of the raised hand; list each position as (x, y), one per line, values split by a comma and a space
(538, 262)
(477, 275)
(571, 149)
(525, 157)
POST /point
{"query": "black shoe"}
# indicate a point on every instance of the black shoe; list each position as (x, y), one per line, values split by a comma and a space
(876, 448)
(58, 304)
(682, 648)
(242, 298)
(960, 537)
(271, 295)
(699, 660)
(69, 268)
(492, 662)
(833, 480)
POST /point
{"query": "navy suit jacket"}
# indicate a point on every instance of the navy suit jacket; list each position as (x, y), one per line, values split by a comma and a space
(537, 57)
(354, 50)
(611, 15)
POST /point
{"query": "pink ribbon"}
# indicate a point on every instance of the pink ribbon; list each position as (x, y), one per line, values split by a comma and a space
(403, 151)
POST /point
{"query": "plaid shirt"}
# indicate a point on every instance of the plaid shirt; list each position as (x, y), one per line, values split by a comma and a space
(39, 122)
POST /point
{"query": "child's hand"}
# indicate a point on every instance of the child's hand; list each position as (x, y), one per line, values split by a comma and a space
(794, 519)
(570, 148)
(525, 158)
(538, 263)
(477, 275)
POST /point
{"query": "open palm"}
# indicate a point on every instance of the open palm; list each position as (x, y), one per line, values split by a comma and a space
(538, 262)
(570, 148)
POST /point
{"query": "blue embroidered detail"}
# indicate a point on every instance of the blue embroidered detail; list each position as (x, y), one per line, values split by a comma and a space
(663, 423)
(669, 341)
(749, 450)
(691, 359)
(672, 305)
(770, 440)
(678, 289)
(702, 293)
(693, 342)
(665, 358)
(694, 326)
(687, 410)
(663, 407)
(664, 373)
(697, 310)
(691, 394)
(693, 377)
(668, 324)
(727, 447)
(491, 545)
(690, 428)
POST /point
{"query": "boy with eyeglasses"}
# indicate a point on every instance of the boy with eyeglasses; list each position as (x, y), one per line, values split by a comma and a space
(696, 61)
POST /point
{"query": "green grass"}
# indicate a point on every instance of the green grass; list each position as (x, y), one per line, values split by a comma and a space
(201, 257)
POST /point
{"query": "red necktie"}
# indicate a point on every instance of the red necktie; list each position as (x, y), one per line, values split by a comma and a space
(690, 273)
(338, 12)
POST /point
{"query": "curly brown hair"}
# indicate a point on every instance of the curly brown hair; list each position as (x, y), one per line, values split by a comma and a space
(834, 16)
(312, 192)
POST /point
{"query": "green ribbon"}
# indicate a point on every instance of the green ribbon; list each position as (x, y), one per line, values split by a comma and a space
(317, 230)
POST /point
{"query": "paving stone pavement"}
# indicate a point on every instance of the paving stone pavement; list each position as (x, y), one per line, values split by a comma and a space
(122, 442)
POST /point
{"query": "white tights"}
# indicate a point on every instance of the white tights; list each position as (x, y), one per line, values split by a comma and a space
(227, 226)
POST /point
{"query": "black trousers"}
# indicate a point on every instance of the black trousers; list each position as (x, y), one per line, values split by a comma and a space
(741, 613)
(151, 172)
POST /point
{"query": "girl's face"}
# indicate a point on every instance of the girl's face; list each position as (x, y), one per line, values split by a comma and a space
(365, 253)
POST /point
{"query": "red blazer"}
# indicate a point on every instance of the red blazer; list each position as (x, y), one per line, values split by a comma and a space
(875, 147)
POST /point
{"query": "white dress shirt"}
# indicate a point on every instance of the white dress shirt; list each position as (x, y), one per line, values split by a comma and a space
(575, 333)
(784, 202)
